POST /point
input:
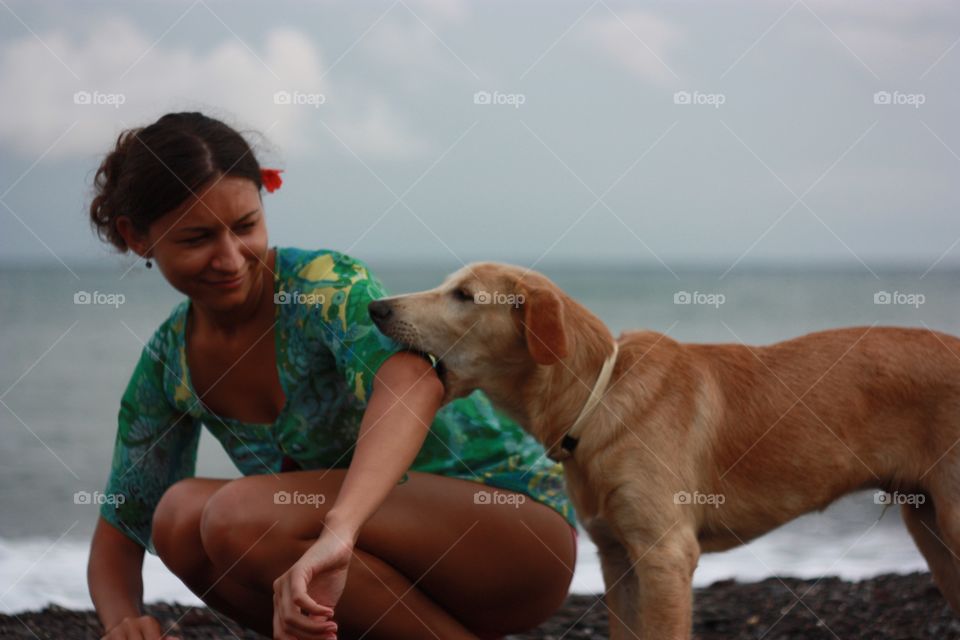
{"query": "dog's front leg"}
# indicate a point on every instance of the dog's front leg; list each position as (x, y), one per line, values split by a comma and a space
(620, 594)
(664, 598)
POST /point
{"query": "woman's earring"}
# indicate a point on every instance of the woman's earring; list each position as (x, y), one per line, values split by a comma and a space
(149, 264)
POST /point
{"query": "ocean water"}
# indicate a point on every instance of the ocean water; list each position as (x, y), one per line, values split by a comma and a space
(63, 367)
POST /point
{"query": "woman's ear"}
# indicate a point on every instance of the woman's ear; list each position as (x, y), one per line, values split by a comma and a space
(134, 239)
(543, 324)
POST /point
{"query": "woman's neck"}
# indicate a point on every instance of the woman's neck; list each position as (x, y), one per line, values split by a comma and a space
(230, 321)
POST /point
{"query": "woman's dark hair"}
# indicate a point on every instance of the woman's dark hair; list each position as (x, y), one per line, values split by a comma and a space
(154, 169)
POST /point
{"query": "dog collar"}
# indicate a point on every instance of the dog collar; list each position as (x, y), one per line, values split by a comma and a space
(571, 437)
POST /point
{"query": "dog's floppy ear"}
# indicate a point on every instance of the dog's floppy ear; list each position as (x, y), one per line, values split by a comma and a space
(543, 326)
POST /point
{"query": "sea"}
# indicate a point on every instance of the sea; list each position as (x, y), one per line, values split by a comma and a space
(69, 338)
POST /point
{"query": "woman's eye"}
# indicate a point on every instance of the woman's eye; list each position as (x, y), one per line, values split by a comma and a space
(196, 240)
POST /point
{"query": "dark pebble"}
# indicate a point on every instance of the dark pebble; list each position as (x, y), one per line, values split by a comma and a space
(888, 607)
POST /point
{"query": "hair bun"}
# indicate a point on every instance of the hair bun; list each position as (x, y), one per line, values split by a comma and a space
(105, 207)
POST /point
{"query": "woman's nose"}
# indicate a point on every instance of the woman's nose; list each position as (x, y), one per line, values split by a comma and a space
(229, 255)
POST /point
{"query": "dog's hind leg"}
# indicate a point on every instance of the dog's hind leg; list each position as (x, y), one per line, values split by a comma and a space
(934, 537)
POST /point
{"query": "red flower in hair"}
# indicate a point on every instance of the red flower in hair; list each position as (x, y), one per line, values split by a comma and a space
(271, 179)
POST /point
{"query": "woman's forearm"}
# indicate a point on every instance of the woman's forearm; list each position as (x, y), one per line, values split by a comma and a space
(405, 399)
(114, 575)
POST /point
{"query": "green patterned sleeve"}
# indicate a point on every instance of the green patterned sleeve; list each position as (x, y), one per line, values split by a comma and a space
(156, 445)
(357, 345)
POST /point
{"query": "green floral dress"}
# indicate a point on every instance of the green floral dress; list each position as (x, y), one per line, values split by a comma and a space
(327, 353)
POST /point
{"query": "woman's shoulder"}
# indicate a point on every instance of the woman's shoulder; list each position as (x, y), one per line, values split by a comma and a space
(475, 415)
(155, 380)
(166, 339)
(314, 260)
(326, 266)
(477, 406)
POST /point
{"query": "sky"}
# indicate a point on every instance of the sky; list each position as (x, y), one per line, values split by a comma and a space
(663, 135)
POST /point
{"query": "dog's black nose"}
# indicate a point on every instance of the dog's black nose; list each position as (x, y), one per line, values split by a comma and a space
(379, 310)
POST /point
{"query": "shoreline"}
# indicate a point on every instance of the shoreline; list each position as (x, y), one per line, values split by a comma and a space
(889, 606)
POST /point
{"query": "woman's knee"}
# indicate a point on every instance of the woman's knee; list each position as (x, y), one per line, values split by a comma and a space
(224, 520)
(236, 518)
(176, 525)
(536, 575)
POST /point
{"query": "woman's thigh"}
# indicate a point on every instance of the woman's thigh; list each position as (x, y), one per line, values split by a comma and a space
(503, 558)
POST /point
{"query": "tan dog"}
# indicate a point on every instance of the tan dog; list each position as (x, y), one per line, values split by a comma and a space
(699, 447)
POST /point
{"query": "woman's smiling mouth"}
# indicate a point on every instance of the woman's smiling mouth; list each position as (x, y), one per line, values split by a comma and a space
(231, 283)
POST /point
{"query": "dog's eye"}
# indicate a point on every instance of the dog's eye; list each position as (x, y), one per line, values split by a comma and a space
(462, 295)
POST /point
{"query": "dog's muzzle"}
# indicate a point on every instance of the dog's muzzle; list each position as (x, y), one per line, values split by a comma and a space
(380, 312)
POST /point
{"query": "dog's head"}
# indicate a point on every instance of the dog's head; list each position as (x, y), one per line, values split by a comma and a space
(488, 324)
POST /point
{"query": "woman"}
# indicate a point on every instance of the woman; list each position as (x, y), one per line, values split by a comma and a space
(274, 352)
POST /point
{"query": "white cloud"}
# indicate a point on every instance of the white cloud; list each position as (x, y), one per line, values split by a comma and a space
(893, 13)
(400, 43)
(420, 52)
(375, 130)
(228, 79)
(890, 52)
(445, 11)
(895, 40)
(637, 40)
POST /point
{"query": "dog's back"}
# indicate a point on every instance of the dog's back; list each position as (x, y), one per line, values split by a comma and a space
(780, 429)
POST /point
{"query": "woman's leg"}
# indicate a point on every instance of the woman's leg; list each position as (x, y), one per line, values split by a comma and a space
(372, 584)
(176, 537)
(433, 559)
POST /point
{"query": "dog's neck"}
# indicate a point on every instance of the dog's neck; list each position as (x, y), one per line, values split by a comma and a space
(556, 394)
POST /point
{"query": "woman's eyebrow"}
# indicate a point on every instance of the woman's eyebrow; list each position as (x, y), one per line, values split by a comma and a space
(195, 229)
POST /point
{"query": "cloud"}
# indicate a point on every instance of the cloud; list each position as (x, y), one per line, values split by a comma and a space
(895, 40)
(122, 78)
(637, 40)
(442, 11)
(892, 13)
(377, 131)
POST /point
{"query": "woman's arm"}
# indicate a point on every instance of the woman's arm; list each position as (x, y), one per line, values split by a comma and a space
(114, 577)
(114, 574)
(406, 396)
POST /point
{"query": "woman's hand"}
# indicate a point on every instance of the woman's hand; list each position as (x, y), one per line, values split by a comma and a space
(139, 628)
(304, 597)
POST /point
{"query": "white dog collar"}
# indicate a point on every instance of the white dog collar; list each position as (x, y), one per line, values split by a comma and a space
(571, 437)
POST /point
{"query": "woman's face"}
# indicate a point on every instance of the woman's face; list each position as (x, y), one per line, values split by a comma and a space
(213, 247)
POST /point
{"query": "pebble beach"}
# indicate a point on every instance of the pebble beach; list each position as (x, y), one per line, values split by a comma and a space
(887, 607)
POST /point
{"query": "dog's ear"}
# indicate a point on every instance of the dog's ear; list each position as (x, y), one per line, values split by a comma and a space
(543, 326)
